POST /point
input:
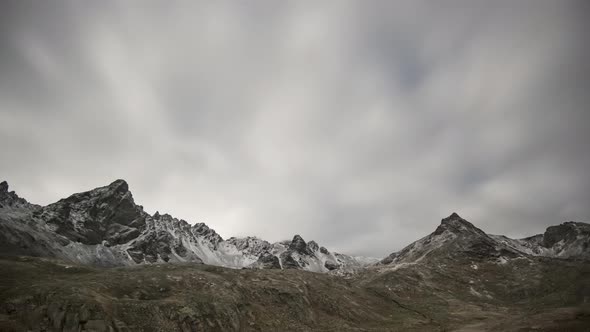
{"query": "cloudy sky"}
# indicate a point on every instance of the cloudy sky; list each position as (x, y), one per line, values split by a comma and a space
(359, 124)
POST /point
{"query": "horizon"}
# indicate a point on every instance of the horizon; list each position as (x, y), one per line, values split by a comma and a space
(355, 124)
(286, 239)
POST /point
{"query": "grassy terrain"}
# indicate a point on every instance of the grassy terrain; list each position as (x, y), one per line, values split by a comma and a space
(41, 294)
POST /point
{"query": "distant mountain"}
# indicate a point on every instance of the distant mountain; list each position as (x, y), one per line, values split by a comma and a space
(457, 238)
(568, 240)
(104, 227)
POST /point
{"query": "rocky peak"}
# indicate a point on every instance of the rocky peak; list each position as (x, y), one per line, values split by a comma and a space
(455, 219)
(299, 245)
(454, 238)
(566, 232)
(313, 246)
(202, 230)
(166, 218)
(3, 187)
(111, 194)
(457, 225)
(104, 213)
(9, 198)
(119, 186)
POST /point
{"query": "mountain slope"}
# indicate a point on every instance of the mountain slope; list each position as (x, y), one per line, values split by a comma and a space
(459, 271)
(540, 294)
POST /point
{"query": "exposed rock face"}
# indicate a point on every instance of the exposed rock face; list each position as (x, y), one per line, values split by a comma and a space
(250, 245)
(203, 231)
(292, 262)
(268, 261)
(313, 246)
(104, 226)
(298, 245)
(152, 246)
(103, 214)
(566, 233)
(331, 265)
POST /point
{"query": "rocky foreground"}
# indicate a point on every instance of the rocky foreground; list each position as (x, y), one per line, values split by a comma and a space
(521, 295)
(97, 262)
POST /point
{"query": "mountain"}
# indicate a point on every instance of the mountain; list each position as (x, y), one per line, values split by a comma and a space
(457, 278)
(568, 240)
(456, 238)
(104, 227)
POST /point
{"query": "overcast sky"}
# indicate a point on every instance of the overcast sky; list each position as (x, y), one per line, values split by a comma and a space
(359, 124)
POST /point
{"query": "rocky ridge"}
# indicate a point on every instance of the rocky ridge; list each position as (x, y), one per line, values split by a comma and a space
(105, 227)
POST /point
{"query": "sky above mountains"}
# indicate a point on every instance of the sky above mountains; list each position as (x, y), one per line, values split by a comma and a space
(357, 124)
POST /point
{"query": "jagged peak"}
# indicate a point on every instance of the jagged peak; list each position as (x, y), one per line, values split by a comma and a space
(297, 239)
(3, 187)
(201, 225)
(455, 219)
(118, 189)
(166, 218)
(454, 215)
(9, 198)
(204, 230)
(299, 245)
(313, 246)
(119, 185)
(455, 224)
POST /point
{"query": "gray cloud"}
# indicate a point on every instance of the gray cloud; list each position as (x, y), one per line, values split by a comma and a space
(359, 125)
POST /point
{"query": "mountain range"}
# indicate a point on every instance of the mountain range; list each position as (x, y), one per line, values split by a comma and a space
(104, 227)
(456, 278)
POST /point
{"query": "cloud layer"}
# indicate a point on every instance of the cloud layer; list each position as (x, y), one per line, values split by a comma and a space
(359, 125)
